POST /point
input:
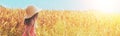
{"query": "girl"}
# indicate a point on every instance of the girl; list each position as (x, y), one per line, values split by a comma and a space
(31, 16)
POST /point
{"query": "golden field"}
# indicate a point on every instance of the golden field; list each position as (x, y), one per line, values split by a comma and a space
(61, 23)
(11, 21)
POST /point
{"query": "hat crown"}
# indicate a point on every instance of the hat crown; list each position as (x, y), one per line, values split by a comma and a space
(30, 11)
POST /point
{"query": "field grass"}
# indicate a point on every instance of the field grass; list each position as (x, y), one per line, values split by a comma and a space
(77, 23)
(11, 21)
(61, 23)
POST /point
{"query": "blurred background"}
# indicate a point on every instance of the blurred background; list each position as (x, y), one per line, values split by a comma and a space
(62, 17)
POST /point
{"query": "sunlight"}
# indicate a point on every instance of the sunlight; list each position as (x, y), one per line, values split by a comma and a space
(108, 6)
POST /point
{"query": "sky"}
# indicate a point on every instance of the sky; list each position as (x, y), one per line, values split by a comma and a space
(104, 5)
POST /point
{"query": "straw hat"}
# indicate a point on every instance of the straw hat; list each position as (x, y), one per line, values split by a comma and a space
(30, 11)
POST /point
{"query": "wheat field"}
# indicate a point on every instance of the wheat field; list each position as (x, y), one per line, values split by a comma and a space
(61, 23)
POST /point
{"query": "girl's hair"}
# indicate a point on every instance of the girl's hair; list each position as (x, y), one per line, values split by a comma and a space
(28, 20)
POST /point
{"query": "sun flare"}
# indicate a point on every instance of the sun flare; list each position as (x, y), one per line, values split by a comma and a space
(108, 6)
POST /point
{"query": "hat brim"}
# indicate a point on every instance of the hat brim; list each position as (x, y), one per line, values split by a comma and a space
(29, 16)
